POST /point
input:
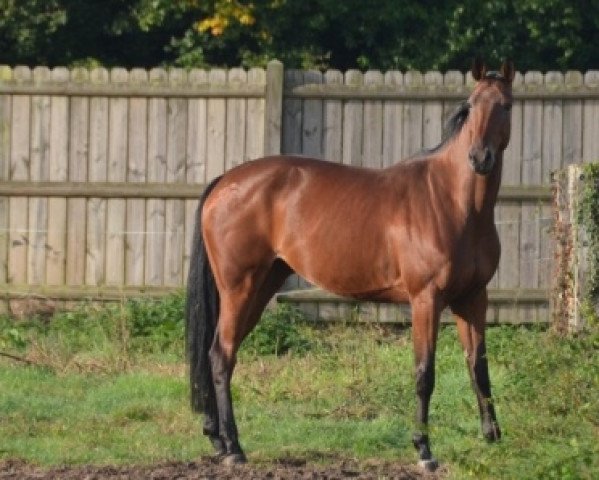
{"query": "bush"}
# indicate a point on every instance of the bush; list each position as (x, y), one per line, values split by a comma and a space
(116, 336)
(278, 332)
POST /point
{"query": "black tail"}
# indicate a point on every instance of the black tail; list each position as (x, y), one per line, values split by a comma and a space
(201, 314)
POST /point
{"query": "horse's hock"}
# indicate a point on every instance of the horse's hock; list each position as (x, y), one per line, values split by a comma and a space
(575, 299)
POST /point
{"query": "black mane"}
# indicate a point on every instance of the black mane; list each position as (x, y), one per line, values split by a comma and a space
(455, 123)
(452, 127)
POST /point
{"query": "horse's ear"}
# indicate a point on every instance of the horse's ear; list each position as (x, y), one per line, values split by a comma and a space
(479, 69)
(507, 70)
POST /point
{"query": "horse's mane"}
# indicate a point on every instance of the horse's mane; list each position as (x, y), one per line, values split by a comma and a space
(457, 119)
(452, 127)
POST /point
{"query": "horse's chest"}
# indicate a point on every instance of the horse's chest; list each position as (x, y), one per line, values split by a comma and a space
(475, 265)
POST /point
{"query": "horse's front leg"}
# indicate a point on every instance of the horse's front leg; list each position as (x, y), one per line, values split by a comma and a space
(425, 324)
(471, 319)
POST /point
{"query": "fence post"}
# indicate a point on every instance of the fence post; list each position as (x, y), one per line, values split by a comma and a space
(573, 282)
(273, 109)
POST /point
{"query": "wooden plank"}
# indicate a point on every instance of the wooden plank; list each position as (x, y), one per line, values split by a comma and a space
(217, 109)
(292, 139)
(196, 160)
(85, 292)
(312, 119)
(321, 304)
(452, 80)
(532, 147)
(236, 122)
(39, 171)
(572, 122)
(118, 125)
(512, 157)
(508, 214)
(97, 172)
(5, 137)
(58, 172)
(507, 296)
(333, 120)
(273, 108)
(155, 213)
(432, 112)
(254, 137)
(412, 118)
(77, 89)
(208, 90)
(507, 219)
(590, 138)
(373, 123)
(152, 190)
(78, 160)
(421, 93)
(552, 129)
(392, 122)
(311, 139)
(552, 161)
(137, 172)
(292, 116)
(175, 172)
(353, 116)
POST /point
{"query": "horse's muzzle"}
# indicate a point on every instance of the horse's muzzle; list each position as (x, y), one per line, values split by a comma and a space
(482, 160)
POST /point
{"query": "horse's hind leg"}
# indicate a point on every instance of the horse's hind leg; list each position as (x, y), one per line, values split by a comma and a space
(241, 308)
(425, 324)
(211, 427)
(470, 319)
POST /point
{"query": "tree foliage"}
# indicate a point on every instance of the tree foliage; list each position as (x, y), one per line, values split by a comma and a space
(384, 34)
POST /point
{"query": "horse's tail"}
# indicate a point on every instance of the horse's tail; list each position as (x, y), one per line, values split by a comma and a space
(201, 313)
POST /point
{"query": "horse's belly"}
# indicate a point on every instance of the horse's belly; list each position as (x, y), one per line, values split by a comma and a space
(349, 271)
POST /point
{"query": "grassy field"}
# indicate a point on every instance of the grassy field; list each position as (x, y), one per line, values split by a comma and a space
(109, 386)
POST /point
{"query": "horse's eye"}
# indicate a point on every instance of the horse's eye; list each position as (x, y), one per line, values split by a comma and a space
(508, 107)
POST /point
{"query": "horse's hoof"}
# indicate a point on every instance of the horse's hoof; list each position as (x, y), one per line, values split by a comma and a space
(233, 459)
(428, 465)
(219, 447)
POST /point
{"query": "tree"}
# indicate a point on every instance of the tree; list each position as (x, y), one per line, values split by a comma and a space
(27, 28)
(537, 34)
(383, 34)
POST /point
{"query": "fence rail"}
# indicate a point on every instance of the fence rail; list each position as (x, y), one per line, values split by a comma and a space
(183, 191)
(100, 170)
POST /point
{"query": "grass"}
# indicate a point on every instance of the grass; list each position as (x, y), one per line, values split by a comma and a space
(109, 386)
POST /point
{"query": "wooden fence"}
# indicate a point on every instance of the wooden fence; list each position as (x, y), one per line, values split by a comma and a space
(100, 170)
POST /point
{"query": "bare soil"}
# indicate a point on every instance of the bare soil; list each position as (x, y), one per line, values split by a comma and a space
(206, 468)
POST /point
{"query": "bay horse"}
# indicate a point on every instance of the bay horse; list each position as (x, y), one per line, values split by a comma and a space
(421, 231)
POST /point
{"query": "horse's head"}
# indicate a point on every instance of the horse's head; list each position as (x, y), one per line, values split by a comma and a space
(489, 116)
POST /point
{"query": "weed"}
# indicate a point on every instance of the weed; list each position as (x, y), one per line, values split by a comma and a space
(281, 330)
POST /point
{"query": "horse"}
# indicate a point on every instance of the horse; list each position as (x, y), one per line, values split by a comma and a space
(420, 232)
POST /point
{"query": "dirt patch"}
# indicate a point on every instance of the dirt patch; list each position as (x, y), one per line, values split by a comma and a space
(207, 469)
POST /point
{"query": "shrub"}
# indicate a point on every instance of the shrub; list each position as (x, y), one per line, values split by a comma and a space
(278, 332)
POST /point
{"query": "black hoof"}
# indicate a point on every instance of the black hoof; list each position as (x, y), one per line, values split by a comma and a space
(219, 447)
(428, 465)
(233, 459)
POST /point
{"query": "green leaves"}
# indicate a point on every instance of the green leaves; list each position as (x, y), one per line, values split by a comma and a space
(387, 34)
(588, 216)
(278, 332)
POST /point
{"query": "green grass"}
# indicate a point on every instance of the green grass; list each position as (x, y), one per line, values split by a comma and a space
(109, 386)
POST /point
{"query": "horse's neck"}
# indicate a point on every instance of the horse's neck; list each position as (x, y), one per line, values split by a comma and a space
(476, 194)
